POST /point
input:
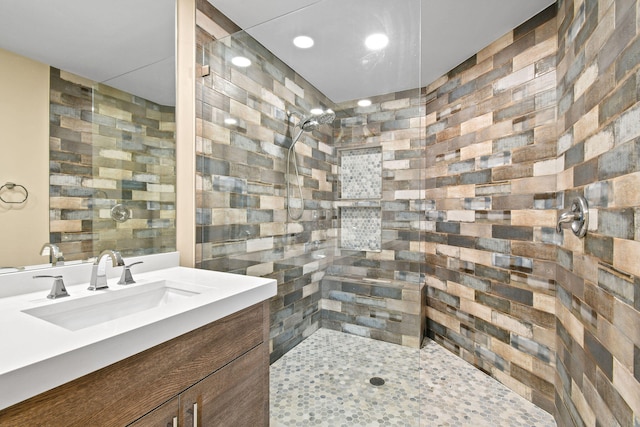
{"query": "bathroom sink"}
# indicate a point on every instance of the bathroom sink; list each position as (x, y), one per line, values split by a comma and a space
(105, 306)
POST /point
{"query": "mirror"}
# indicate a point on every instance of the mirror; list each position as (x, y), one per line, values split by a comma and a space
(88, 128)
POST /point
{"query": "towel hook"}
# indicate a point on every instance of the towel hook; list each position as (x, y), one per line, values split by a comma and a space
(12, 186)
(578, 216)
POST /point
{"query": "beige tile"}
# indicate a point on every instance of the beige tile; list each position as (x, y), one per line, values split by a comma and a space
(627, 320)
(541, 184)
(441, 318)
(615, 342)
(293, 87)
(598, 144)
(237, 109)
(548, 167)
(475, 309)
(107, 110)
(479, 69)
(626, 255)
(461, 191)
(543, 302)
(476, 123)
(115, 154)
(565, 179)
(396, 104)
(512, 383)
(535, 53)
(119, 174)
(61, 226)
(628, 387)
(586, 126)
(476, 150)
(570, 323)
(461, 291)
(583, 407)
(511, 324)
(495, 47)
(586, 79)
(511, 354)
(271, 202)
(475, 229)
(625, 190)
(461, 216)
(476, 256)
(534, 217)
(516, 78)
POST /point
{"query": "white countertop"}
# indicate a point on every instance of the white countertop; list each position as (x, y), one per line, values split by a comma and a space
(37, 355)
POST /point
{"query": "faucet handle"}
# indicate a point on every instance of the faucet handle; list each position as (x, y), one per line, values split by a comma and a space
(127, 278)
(57, 290)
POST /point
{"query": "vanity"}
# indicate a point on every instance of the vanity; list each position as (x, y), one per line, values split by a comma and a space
(180, 347)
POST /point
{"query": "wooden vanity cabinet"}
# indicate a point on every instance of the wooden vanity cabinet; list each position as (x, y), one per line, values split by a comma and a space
(222, 367)
(164, 416)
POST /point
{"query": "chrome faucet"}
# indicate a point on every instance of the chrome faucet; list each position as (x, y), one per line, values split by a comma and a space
(99, 279)
(55, 256)
(567, 217)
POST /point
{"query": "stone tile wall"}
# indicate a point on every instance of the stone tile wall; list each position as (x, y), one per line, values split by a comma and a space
(242, 223)
(490, 199)
(598, 277)
(109, 147)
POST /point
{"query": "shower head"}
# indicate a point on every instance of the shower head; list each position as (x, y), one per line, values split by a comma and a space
(312, 122)
(327, 116)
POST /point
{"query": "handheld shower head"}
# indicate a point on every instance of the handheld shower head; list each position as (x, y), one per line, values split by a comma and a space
(328, 116)
(313, 121)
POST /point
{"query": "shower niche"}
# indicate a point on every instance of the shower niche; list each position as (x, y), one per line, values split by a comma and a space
(359, 204)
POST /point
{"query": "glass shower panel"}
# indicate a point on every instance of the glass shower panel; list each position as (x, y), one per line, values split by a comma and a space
(353, 263)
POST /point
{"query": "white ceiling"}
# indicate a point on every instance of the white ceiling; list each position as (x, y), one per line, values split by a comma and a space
(446, 32)
(128, 44)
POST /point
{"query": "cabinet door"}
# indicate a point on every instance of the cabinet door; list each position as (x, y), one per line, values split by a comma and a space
(236, 395)
(165, 415)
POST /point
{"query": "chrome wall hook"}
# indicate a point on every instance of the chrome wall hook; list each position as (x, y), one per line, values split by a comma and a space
(578, 217)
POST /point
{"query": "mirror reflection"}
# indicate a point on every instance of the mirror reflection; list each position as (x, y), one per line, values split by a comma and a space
(88, 119)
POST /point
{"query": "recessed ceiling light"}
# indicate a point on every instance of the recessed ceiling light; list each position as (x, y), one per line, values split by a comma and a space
(376, 41)
(316, 111)
(303, 42)
(364, 102)
(230, 121)
(240, 61)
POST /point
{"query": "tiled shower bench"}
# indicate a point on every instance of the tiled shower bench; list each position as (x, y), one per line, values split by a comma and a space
(382, 309)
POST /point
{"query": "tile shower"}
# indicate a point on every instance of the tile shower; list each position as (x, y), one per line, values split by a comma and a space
(475, 168)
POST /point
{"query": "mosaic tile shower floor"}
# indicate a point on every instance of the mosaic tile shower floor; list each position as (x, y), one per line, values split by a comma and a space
(324, 381)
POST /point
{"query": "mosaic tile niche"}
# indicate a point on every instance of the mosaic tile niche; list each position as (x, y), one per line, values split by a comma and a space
(361, 178)
(361, 173)
(360, 228)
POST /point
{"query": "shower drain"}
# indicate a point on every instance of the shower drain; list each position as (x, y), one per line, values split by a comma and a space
(376, 381)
